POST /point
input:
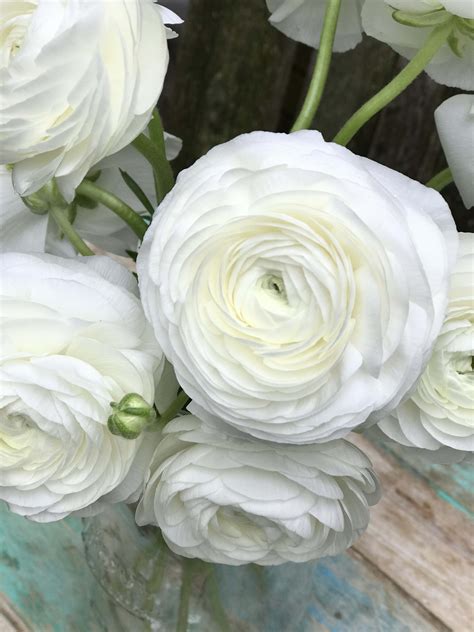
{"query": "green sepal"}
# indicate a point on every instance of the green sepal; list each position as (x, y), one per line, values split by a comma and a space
(130, 416)
(422, 20)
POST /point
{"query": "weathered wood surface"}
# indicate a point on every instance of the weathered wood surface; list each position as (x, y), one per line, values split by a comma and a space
(231, 75)
(412, 571)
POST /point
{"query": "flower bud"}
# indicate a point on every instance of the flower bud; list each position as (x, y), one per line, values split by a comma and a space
(130, 416)
(42, 200)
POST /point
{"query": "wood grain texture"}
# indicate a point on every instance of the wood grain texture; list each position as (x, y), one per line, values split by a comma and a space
(231, 75)
(421, 543)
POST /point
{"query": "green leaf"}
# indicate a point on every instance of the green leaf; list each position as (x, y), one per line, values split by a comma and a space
(137, 191)
(132, 254)
(422, 20)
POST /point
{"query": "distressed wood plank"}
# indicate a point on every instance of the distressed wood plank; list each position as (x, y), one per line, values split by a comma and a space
(45, 576)
(9, 619)
(452, 483)
(351, 595)
(423, 544)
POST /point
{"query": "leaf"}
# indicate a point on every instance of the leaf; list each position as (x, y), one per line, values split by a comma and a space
(137, 191)
(132, 254)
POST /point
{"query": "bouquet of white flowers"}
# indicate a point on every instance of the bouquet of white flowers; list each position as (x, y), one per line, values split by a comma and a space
(289, 291)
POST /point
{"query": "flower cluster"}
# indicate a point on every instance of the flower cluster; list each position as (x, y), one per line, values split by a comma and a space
(292, 290)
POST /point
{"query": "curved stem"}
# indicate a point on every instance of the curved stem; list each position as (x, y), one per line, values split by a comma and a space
(115, 204)
(185, 595)
(173, 409)
(67, 228)
(441, 179)
(433, 43)
(321, 68)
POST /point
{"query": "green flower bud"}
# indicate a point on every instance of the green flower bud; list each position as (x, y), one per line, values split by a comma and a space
(130, 416)
(42, 200)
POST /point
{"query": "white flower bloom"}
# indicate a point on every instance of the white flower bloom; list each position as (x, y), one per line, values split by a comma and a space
(73, 339)
(447, 67)
(225, 498)
(455, 123)
(79, 80)
(23, 231)
(302, 20)
(439, 417)
(292, 284)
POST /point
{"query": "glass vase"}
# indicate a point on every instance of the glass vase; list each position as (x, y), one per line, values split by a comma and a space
(166, 592)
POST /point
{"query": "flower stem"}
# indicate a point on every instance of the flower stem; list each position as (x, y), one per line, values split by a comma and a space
(321, 68)
(67, 228)
(220, 616)
(94, 192)
(185, 596)
(173, 409)
(153, 149)
(441, 179)
(433, 43)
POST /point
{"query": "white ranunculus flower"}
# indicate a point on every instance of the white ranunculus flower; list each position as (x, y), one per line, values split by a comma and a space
(449, 67)
(292, 284)
(23, 231)
(79, 80)
(302, 20)
(439, 417)
(222, 497)
(73, 339)
(455, 124)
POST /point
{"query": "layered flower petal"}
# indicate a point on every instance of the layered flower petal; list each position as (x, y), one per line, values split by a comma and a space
(222, 497)
(22, 231)
(452, 65)
(293, 287)
(76, 83)
(302, 20)
(439, 417)
(455, 123)
(73, 339)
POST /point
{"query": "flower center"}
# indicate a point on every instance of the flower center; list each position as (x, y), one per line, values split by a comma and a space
(14, 21)
(275, 286)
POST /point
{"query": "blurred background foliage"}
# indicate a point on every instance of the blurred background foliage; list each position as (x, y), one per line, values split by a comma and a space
(231, 72)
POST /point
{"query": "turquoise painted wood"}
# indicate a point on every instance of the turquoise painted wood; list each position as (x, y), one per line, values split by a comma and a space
(44, 576)
(453, 484)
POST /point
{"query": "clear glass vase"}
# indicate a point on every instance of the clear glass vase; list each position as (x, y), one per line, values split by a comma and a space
(166, 592)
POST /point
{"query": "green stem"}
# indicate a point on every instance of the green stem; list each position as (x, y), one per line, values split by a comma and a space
(433, 43)
(185, 596)
(154, 584)
(220, 616)
(94, 192)
(153, 149)
(441, 179)
(321, 68)
(67, 228)
(173, 409)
